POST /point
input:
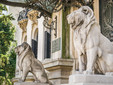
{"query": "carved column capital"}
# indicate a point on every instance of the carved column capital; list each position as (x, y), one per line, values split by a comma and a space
(32, 15)
(23, 24)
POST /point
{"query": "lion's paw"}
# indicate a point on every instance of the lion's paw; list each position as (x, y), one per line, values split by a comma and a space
(88, 72)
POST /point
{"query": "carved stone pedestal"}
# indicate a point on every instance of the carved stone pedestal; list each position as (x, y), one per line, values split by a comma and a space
(81, 79)
(59, 70)
(28, 79)
(30, 83)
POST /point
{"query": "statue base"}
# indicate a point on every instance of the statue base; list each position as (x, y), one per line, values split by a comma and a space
(82, 79)
(29, 83)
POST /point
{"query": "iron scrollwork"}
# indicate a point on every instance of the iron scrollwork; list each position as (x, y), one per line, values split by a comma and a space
(56, 5)
(51, 24)
(54, 26)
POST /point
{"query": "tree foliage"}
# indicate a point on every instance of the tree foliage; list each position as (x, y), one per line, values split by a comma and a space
(2, 7)
(7, 44)
(6, 33)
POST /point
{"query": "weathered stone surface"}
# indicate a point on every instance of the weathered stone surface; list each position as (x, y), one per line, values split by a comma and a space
(28, 79)
(95, 51)
(87, 84)
(28, 63)
(58, 70)
(81, 79)
(30, 83)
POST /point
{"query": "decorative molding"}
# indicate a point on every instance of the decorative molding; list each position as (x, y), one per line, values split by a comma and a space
(32, 15)
(58, 69)
(28, 79)
(23, 24)
(23, 14)
(23, 19)
(50, 63)
(51, 24)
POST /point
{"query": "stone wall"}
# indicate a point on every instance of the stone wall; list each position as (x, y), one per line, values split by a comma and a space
(60, 64)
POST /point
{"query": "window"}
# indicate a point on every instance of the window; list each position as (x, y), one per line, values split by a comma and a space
(35, 46)
(47, 45)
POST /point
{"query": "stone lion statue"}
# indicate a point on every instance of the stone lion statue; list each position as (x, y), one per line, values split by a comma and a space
(95, 51)
(28, 63)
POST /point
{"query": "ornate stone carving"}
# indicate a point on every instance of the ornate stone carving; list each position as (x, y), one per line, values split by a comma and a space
(28, 63)
(23, 24)
(107, 18)
(58, 70)
(95, 51)
(23, 19)
(32, 15)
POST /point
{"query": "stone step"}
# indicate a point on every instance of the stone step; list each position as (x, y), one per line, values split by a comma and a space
(29, 83)
(82, 79)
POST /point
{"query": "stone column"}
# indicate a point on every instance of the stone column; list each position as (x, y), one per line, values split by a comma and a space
(41, 39)
(32, 21)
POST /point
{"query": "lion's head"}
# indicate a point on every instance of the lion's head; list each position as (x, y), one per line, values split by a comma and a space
(19, 49)
(80, 16)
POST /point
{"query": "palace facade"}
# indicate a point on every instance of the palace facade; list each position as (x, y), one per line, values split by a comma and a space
(53, 45)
